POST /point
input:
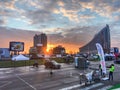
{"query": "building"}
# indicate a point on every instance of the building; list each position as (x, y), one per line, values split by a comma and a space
(33, 50)
(40, 42)
(4, 53)
(102, 37)
(59, 50)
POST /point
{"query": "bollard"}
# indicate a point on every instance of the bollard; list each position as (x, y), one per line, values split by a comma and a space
(51, 73)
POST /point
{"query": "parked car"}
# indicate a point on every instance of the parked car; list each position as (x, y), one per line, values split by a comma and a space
(109, 57)
(117, 61)
(52, 64)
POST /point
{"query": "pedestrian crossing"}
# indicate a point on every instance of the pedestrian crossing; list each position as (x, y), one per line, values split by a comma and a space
(94, 86)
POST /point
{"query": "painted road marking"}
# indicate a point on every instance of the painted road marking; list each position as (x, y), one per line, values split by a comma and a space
(92, 86)
(32, 72)
(6, 83)
(26, 82)
(72, 87)
(105, 88)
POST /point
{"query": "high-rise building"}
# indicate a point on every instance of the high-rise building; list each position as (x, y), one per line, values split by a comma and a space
(40, 42)
(102, 37)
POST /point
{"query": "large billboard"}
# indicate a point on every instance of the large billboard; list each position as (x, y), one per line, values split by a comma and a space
(16, 46)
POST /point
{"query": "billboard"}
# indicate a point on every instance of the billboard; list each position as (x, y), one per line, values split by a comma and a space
(16, 46)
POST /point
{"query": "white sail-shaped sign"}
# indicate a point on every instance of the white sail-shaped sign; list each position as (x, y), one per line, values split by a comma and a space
(102, 58)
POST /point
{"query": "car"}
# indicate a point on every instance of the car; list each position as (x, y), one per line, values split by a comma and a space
(117, 61)
(52, 64)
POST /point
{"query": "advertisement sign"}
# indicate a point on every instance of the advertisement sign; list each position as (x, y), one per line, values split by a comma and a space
(16, 46)
(101, 55)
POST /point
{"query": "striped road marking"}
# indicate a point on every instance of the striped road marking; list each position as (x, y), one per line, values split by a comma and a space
(92, 86)
(26, 82)
(7, 83)
(72, 87)
(86, 88)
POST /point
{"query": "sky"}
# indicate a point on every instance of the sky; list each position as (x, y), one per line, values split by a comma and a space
(70, 23)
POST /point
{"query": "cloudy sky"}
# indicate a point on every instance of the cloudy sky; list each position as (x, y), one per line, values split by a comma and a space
(70, 23)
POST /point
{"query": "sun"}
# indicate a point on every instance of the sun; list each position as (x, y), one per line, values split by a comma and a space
(49, 46)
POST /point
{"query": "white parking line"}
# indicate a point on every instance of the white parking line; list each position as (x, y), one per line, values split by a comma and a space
(7, 83)
(92, 86)
(72, 87)
(26, 82)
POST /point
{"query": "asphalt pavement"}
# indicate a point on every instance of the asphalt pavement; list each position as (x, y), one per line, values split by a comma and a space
(66, 78)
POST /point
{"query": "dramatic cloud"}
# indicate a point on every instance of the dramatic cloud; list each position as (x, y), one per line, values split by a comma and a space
(66, 22)
(44, 11)
(10, 34)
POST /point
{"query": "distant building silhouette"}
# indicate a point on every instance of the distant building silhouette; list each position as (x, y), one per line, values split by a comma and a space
(102, 37)
(4, 53)
(40, 42)
(59, 50)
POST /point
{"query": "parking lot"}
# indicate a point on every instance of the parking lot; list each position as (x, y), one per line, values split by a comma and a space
(66, 78)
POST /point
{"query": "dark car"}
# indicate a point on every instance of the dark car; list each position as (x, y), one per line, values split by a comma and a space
(117, 61)
(52, 65)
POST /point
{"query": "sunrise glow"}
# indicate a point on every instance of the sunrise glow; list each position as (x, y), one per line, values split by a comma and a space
(50, 46)
(71, 27)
